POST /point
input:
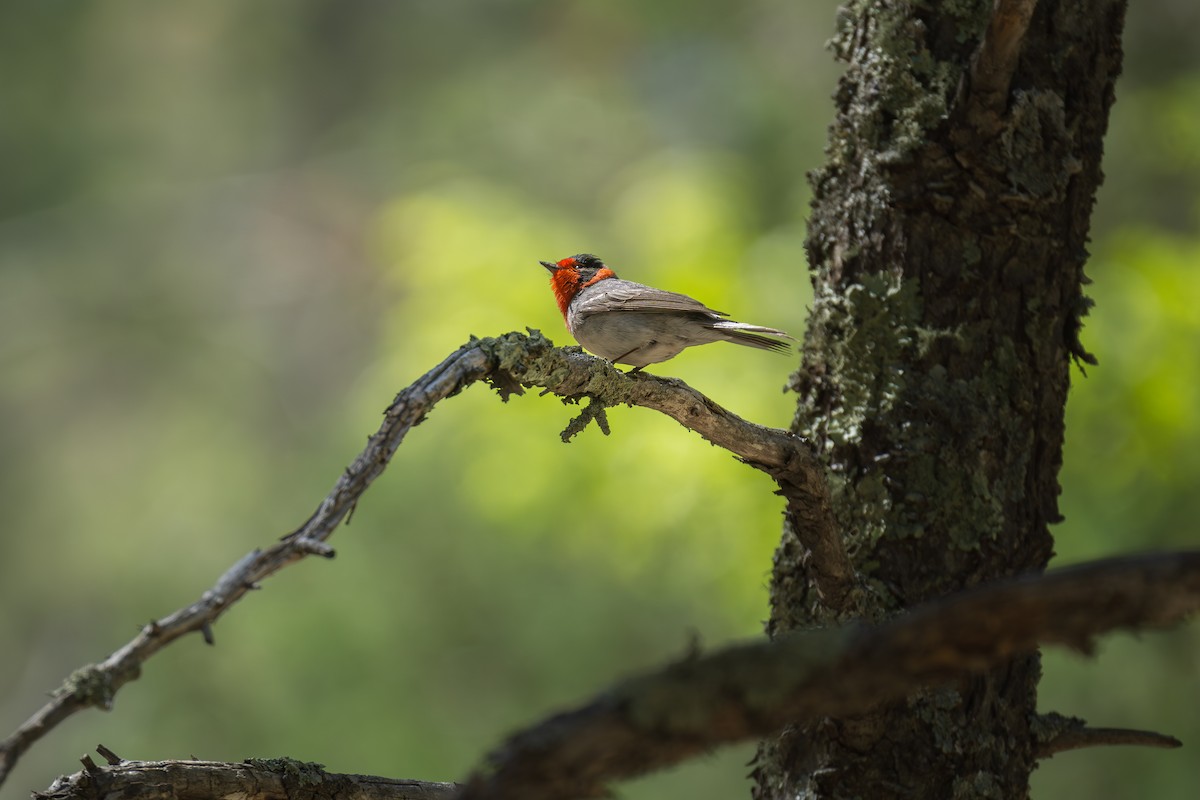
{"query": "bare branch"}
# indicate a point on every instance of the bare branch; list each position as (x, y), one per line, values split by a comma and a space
(1057, 734)
(97, 684)
(109, 756)
(754, 690)
(508, 363)
(994, 63)
(255, 779)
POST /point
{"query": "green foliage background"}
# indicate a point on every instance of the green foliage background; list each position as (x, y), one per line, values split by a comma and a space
(230, 232)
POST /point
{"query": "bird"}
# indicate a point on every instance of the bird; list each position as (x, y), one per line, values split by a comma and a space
(629, 323)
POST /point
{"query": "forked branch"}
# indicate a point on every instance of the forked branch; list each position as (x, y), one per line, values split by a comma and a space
(508, 362)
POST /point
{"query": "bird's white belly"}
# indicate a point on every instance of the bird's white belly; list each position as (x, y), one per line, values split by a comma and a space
(634, 338)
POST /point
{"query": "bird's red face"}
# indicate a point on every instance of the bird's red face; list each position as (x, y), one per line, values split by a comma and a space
(570, 275)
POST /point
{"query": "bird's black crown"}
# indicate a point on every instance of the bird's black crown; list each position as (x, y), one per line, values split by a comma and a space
(588, 261)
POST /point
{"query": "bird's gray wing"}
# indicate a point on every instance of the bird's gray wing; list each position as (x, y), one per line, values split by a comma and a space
(619, 295)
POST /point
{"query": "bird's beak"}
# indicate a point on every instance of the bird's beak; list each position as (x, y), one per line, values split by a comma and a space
(549, 266)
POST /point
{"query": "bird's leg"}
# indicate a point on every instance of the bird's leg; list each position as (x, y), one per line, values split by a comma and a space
(651, 343)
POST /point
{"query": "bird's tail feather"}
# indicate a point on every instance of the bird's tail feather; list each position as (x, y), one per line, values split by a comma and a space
(746, 334)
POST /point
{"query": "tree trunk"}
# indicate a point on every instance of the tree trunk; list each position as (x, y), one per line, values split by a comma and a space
(947, 246)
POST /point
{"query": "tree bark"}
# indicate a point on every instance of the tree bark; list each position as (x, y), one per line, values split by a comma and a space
(947, 243)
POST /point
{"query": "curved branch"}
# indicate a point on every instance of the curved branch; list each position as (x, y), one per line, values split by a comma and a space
(749, 691)
(97, 684)
(519, 360)
(508, 363)
(756, 689)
